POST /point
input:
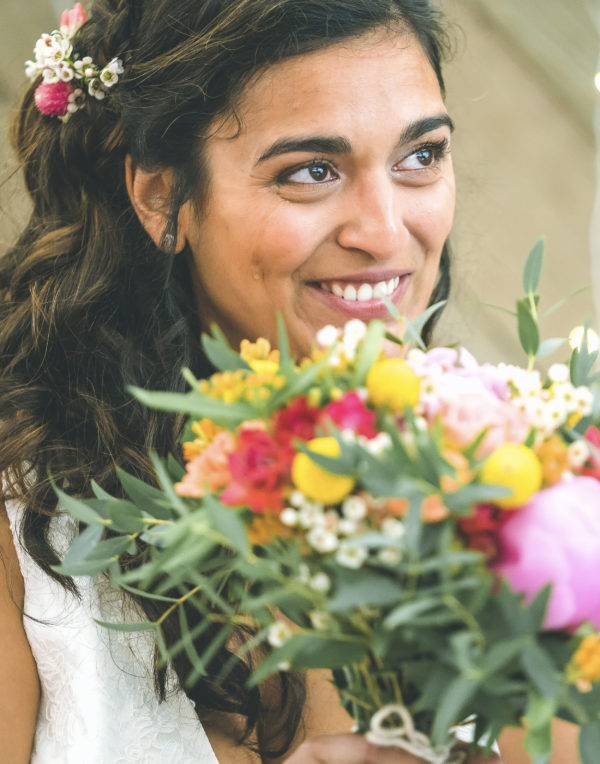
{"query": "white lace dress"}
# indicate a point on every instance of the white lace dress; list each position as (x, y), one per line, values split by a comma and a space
(98, 704)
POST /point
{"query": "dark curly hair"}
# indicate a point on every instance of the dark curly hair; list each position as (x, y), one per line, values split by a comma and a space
(89, 305)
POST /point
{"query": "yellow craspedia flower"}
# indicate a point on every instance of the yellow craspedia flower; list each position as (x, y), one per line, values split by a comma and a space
(514, 466)
(391, 382)
(315, 482)
(262, 366)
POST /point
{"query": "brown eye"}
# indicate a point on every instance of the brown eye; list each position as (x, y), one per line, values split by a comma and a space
(318, 172)
(311, 174)
(425, 156)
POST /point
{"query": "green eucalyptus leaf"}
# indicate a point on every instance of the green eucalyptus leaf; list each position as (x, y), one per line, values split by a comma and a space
(286, 362)
(165, 482)
(108, 549)
(528, 329)
(549, 346)
(407, 612)
(99, 492)
(228, 522)
(533, 267)
(502, 653)
(85, 568)
(129, 627)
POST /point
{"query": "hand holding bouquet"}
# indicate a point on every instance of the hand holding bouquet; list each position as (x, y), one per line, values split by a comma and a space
(428, 528)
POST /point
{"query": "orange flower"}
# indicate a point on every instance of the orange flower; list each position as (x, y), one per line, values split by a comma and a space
(207, 431)
(433, 509)
(209, 471)
(584, 667)
(265, 527)
(463, 476)
(554, 459)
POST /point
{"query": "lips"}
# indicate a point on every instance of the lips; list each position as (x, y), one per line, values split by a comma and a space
(361, 295)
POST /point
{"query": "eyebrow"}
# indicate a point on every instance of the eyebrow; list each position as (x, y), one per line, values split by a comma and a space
(339, 145)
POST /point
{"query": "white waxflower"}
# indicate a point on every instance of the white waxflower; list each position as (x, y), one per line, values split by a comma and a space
(322, 541)
(351, 556)
(348, 435)
(555, 413)
(50, 76)
(95, 89)
(108, 77)
(289, 516)
(347, 527)
(354, 333)
(311, 515)
(76, 101)
(576, 339)
(524, 381)
(279, 633)
(64, 72)
(328, 336)
(297, 498)
(380, 443)
(390, 555)
(320, 582)
(354, 508)
(584, 399)
(284, 666)
(303, 573)
(32, 69)
(565, 392)
(393, 528)
(320, 619)
(577, 453)
(89, 72)
(558, 372)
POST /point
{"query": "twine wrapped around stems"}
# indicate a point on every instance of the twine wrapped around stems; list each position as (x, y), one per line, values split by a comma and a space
(393, 725)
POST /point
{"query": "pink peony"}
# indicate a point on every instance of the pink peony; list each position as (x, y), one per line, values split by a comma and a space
(209, 471)
(70, 21)
(52, 98)
(555, 538)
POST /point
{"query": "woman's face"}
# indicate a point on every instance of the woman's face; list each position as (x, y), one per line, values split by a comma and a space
(337, 188)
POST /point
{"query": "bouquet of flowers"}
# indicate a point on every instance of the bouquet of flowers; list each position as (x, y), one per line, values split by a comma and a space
(426, 527)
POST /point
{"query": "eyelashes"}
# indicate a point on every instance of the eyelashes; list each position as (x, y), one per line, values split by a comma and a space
(320, 171)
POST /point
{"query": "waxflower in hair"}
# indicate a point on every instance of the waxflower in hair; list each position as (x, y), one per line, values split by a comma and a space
(67, 79)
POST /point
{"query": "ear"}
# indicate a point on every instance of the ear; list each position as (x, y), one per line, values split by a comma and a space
(150, 195)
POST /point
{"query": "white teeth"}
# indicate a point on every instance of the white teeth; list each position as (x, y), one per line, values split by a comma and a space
(364, 292)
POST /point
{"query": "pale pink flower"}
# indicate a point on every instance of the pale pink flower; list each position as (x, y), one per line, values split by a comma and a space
(467, 413)
(71, 20)
(209, 471)
(555, 538)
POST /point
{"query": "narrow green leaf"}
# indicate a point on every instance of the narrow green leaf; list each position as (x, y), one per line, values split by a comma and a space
(589, 743)
(533, 267)
(452, 707)
(195, 404)
(549, 346)
(503, 653)
(164, 480)
(85, 568)
(80, 509)
(148, 498)
(83, 544)
(541, 670)
(286, 362)
(129, 627)
(99, 492)
(368, 353)
(125, 516)
(227, 521)
(529, 333)
(405, 613)
(412, 329)
(109, 548)
(219, 353)
(363, 587)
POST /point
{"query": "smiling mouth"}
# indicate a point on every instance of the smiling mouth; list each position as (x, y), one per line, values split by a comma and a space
(360, 291)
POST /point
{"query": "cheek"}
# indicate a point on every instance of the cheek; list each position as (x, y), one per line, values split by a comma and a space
(433, 218)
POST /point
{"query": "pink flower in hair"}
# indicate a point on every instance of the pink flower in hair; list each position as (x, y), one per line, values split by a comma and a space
(52, 98)
(70, 21)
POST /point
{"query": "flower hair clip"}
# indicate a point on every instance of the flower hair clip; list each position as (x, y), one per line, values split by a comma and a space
(67, 79)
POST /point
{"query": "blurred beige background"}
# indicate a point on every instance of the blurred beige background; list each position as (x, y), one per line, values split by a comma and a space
(521, 91)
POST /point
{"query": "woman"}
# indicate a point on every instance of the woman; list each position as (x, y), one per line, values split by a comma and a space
(248, 157)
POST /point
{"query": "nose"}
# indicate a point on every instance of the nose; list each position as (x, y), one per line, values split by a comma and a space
(372, 218)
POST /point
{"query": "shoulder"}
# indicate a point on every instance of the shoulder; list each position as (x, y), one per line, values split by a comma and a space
(18, 675)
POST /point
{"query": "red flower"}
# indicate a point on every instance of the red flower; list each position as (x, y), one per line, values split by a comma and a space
(259, 469)
(296, 421)
(592, 468)
(350, 413)
(481, 529)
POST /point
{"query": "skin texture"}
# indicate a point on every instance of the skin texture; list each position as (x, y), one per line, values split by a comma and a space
(271, 231)
(20, 693)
